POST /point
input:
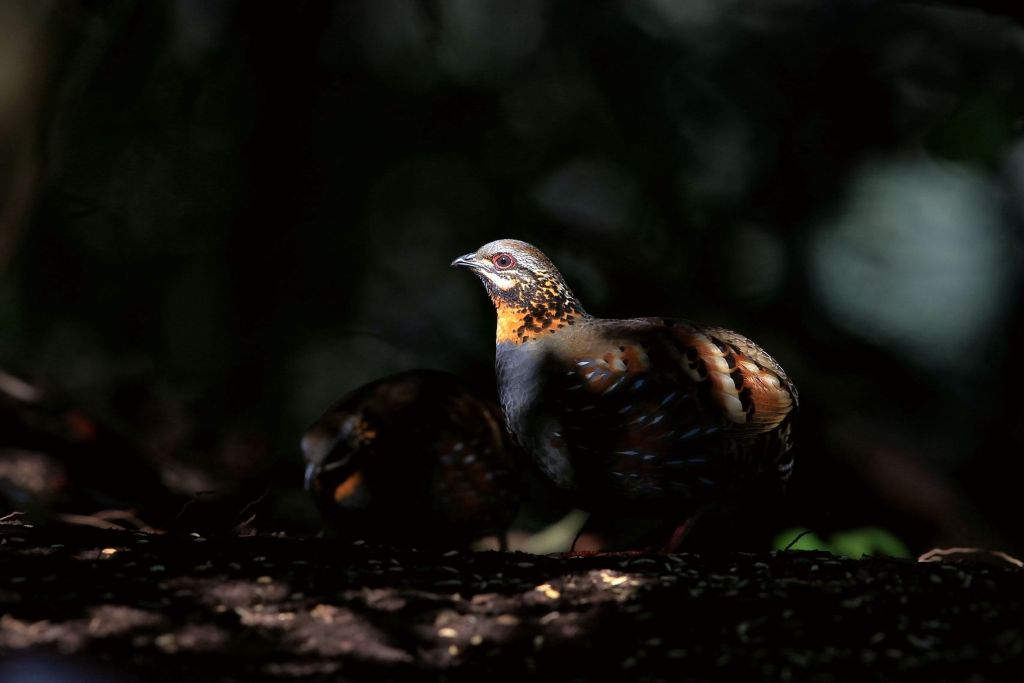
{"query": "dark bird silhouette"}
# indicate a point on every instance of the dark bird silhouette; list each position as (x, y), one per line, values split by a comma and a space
(645, 417)
(414, 459)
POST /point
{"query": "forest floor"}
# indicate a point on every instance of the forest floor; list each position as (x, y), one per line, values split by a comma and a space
(125, 606)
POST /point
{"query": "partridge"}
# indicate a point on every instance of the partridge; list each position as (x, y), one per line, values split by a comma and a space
(414, 459)
(645, 417)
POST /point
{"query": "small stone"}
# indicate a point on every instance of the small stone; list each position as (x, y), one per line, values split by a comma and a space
(549, 591)
(166, 642)
(549, 617)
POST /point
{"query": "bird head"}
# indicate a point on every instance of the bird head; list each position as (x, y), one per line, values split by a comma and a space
(528, 292)
(333, 449)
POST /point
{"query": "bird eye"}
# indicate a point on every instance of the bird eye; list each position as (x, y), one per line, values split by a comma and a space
(503, 261)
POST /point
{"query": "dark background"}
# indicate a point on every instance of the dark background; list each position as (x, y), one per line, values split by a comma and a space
(216, 217)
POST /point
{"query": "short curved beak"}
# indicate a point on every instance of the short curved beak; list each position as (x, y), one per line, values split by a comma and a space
(466, 261)
(312, 472)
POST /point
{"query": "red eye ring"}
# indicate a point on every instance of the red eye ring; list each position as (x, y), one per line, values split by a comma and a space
(503, 261)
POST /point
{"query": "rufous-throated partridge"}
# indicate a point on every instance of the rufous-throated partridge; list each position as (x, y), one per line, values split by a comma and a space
(644, 417)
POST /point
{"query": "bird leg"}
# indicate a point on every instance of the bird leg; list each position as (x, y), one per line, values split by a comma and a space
(676, 539)
(679, 534)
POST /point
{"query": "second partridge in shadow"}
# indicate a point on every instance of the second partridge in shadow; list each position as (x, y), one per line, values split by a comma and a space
(414, 459)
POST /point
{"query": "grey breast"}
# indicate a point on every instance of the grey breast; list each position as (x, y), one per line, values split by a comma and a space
(518, 373)
(520, 383)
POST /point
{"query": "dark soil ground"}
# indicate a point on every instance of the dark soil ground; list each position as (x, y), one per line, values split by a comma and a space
(125, 606)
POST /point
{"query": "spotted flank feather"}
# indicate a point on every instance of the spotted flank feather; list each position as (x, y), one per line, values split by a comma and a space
(654, 411)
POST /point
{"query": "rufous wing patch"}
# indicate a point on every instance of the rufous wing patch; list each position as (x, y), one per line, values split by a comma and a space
(747, 385)
(605, 372)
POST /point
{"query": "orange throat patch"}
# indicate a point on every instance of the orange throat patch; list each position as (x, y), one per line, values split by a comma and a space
(519, 324)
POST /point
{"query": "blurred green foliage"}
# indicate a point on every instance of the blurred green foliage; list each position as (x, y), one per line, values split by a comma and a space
(854, 543)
